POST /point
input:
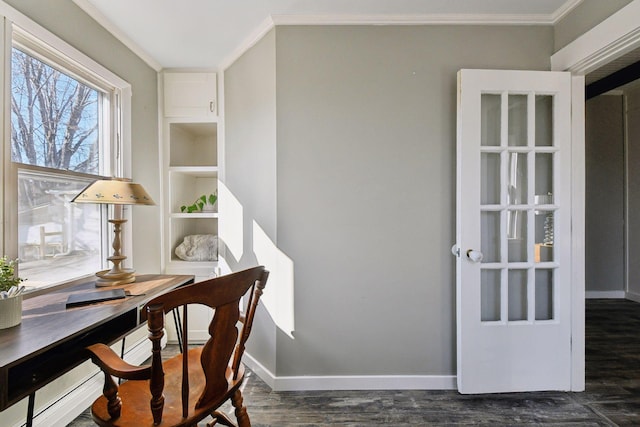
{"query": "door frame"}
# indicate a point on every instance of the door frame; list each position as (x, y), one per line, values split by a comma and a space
(614, 37)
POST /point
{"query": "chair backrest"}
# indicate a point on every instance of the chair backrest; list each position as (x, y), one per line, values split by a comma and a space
(224, 348)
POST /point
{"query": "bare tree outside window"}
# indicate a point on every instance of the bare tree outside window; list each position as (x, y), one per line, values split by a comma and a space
(54, 117)
(54, 125)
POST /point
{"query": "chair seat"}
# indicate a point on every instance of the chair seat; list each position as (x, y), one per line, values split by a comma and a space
(136, 396)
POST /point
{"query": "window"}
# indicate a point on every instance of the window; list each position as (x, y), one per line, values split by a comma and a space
(64, 123)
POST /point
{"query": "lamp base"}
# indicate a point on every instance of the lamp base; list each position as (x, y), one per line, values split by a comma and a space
(109, 278)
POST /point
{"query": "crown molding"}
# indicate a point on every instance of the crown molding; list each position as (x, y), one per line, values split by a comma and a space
(412, 19)
(612, 38)
(564, 10)
(93, 12)
(254, 37)
(430, 19)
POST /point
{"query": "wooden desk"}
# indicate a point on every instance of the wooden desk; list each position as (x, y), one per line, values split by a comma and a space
(51, 339)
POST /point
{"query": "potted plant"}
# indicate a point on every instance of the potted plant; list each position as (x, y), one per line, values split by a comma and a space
(10, 294)
(204, 203)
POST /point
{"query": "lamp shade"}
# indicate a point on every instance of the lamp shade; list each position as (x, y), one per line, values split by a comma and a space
(114, 191)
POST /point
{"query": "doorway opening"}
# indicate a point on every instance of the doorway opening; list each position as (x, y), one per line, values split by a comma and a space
(612, 147)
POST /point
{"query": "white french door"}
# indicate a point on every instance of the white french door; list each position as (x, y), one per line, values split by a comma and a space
(513, 231)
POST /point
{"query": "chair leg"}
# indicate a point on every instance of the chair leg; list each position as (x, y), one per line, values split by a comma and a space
(241, 410)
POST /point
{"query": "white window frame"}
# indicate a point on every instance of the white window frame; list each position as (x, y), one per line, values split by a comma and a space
(40, 40)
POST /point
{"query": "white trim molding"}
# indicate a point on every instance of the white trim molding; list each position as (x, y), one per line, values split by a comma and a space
(564, 10)
(429, 19)
(415, 19)
(605, 294)
(254, 37)
(633, 296)
(612, 38)
(384, 19)
(93, 12)
(350, 382)
(578, 195)
(609, 40)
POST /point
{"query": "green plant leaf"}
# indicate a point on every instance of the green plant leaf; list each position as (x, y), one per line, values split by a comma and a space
(8, 274)
(183, 208)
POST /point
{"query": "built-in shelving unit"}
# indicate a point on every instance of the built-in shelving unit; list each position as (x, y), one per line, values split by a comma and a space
(190, 164)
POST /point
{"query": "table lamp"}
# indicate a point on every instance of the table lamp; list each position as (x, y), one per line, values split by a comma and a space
(118, 192)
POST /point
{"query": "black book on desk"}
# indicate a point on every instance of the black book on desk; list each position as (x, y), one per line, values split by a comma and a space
(75, 300)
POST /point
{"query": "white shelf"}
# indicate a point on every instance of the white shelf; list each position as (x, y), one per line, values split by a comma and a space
(200, 171)
(200, 269)
(195, 215)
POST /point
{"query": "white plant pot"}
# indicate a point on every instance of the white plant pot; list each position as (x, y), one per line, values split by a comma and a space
(10, 312)
(209, 208)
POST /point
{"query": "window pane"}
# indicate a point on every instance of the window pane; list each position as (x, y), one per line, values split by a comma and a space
(490, 295)
(517, 295)
(517, 235)
(490, 236)
(544, 120)
(518, 185)
(490, 182)
(517, 120)
(54, 118)
(490, 110)
(544, 294)
(57, 240)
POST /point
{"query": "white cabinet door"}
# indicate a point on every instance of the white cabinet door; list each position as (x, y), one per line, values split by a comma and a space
(514, 231)
(190, 95)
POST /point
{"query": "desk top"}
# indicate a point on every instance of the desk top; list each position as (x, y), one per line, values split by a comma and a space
(46, 322)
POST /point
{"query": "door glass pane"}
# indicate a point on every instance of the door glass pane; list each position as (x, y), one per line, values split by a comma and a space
(490, 236)
(517, 295)
(517, 120)
(544, 236)
(544, 174)
(544, 120)
(490, 110)
(517, 235)
(517, 178)
(490, 295)
(544, 294)
(490, 181)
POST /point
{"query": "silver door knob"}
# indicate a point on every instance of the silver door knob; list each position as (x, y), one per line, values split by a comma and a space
(455, 250)
(474, 256)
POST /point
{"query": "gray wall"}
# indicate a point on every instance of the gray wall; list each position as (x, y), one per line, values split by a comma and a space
(633, 147)
(250, 165)
(365, 163)
(585, 16)
(604, 210)
(70, 23)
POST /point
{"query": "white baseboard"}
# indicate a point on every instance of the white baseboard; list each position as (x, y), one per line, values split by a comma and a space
(604, 294)
(350, 382)
(71, 405)
(633, 296)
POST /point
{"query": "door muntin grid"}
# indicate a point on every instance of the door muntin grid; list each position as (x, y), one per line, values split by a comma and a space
(518, 158)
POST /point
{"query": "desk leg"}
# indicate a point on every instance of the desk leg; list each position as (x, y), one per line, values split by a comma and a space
(122, 356)
(178, 324)
(30, 406)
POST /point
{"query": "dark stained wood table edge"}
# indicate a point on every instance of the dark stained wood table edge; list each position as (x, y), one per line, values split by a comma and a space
(51, 339)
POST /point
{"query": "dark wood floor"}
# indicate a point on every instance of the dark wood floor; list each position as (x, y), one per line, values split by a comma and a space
(612, 396)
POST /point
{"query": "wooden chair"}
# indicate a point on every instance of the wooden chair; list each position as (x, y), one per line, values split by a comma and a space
(191, 386)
